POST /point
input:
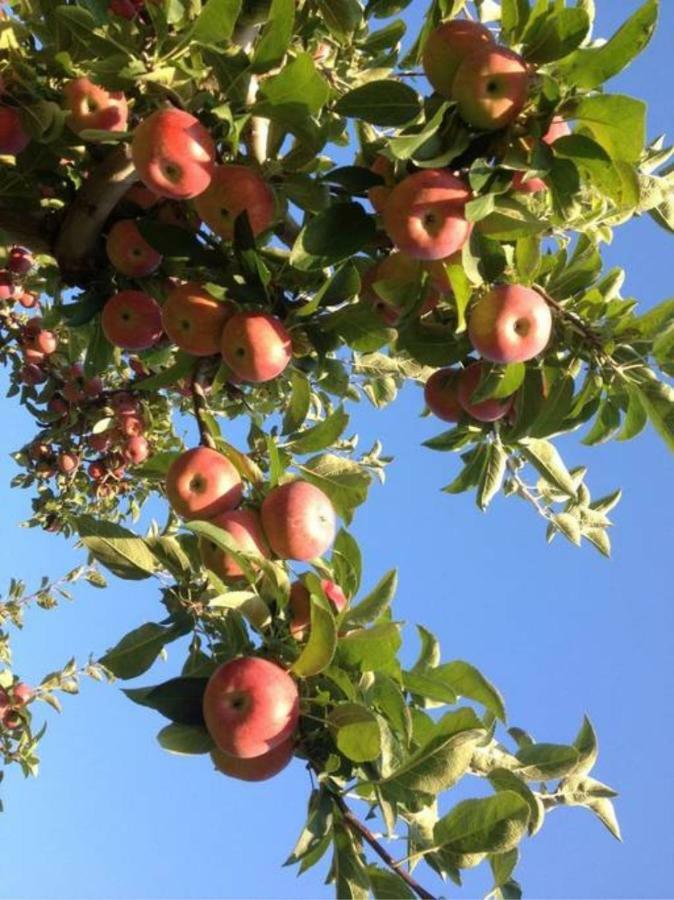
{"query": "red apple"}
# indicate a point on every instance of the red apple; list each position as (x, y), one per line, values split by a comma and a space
(378, 195)
(511, 323)
(136, 450)
(23, 694)
(26, 299)
(558, 128)
(259, 768)
(232, 190)
(251, 705)
(491, 87)
(92, 107)
(8, 290)
(194, 319)
(173, 154)
(68, 463)
(406, 272)
(202, 483)
(129, 252)
(132, 320)
(102, 442)
(141, 196)
(20, 261)
(245, 529)
(440, 394)
(299, 605)
(447, 46)
(13, 136)
(424, 215)
(486, 410)
(31, 374)
(255, 346)
(299, 520)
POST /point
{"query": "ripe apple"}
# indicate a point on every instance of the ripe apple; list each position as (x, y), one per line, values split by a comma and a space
(259, 768)
(13, 136)
(491, 87)
(131, 426)
(511, 323)
(438, 274)
(202, 483)
(132, 320)
(299, 520)
(440, 394)
(232, 190)
(173, 154)
(558, 128)
(31, 374)
(447, 46)
(8, 290)
(91, 106)
(68, 463)
(255, 346)
(194, 319)
(251, 705)
(379, 194)
(487, 410)
(424, 214)
(136, 450)
(245, 528)
(299, 605)
(129, 252)
(528, 185)
(22, 693)
(141, 196)
(26, 299)
(101, 442)
(20, 261)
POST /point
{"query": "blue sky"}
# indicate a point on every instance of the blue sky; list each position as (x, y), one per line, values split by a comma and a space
(562, 632)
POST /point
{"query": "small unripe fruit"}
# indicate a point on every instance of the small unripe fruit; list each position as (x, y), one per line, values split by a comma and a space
(23, 694)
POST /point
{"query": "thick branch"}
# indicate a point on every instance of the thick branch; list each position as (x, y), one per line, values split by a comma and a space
(364, 832)
(101, 192)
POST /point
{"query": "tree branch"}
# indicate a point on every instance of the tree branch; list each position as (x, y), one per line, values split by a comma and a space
(200, 409)
(364, 832)
(75, 244)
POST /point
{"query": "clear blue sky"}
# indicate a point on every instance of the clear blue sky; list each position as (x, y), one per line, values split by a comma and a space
(560, 631)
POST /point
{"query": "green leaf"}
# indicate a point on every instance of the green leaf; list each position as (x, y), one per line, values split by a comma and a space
(528, 258)
(556, 408)
(371, 649)
(298, 405)
(347, 562)
(469, 476)
(179, 699)
(651, 323)
(320, 436)
(183, 365)
(387, 885)
(467, 681)
(442, 761)
(320, 647)
(137, 650)
(100, 353)
(343, 284)
(556, 35)
(342, 17)
(298, 84)
(636, 417)
(214, 24)
(544, 457)
(657, 399)
(504, 780)
(348, 867)
(541, 762)
(430, 684)
(616, 122)
(590, 67)
(344, 481)
(275, 38)
(489, 825)
(121, 551)
(356, 732)
(386, 103)
(375, 603)
(186, 740)
(605, 812)
(586, 745)
(333, 235)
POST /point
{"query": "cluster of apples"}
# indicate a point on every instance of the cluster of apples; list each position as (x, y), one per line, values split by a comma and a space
(12, 701)
(508, 324)
(19, 264)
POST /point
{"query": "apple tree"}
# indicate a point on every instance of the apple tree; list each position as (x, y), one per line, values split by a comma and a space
(214, 210)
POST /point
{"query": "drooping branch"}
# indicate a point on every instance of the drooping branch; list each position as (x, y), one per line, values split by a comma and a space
(75, 244)
(364, 832)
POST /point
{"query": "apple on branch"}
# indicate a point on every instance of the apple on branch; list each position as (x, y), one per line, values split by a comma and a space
(194, 319)
(245, 529)
(447, 46)
(511, 323)
(298, 520)
(202, 483)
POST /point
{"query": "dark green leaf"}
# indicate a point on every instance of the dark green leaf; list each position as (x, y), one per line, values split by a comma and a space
(386, 103)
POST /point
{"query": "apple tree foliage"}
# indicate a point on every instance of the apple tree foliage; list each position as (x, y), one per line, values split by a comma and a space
(283, 89)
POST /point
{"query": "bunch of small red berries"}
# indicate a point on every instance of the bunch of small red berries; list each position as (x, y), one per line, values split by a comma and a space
(19, 264)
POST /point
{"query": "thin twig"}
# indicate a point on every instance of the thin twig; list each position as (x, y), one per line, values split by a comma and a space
(364, 832)
(200, 410)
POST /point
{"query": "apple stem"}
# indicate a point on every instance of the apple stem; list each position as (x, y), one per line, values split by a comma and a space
(200, 409)
(364, 832)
